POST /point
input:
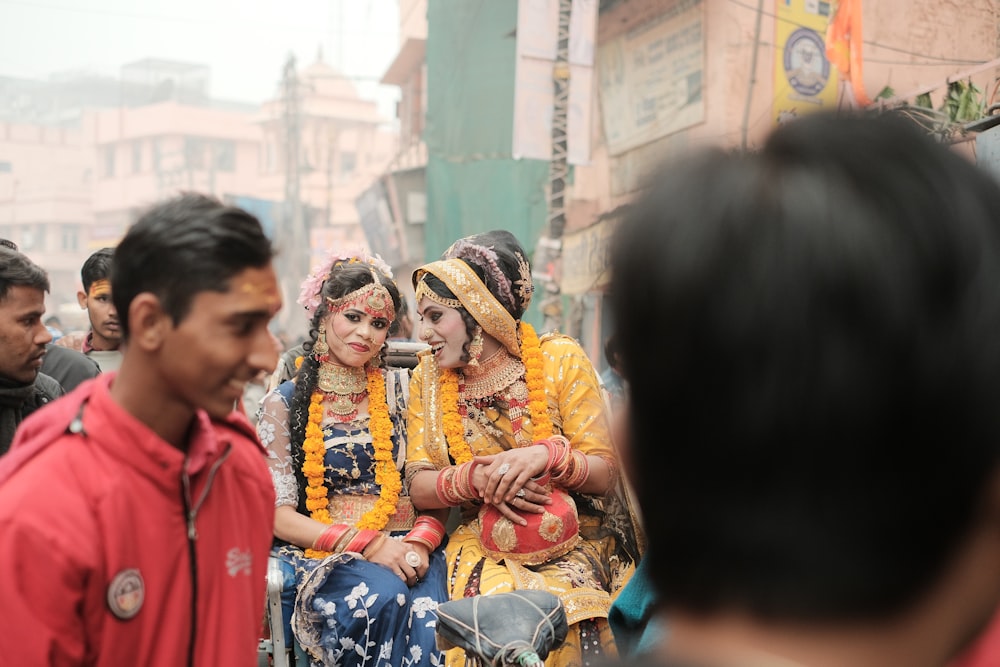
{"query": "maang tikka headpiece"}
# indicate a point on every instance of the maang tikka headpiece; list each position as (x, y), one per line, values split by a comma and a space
(372, 298)
(310, 294)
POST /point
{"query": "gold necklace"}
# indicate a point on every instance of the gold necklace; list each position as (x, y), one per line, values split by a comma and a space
(345, 386)
(492, 376)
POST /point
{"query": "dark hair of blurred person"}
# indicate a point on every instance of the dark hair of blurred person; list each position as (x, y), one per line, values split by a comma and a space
(815, 442)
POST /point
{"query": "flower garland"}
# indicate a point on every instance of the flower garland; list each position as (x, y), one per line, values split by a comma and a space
(452, 420)
(531, 355)
(386, 475)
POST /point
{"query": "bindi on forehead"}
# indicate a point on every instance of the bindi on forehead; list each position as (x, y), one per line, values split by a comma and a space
(266, 289)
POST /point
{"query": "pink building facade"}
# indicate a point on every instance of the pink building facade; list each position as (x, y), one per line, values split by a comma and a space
(671, 75)
(67, 191)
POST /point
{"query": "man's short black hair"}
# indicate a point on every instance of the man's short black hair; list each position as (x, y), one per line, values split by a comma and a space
(97, 267)
(814, 433)
(183, 246)
(16, 270)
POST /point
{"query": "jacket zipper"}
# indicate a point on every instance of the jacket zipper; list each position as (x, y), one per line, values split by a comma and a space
(191, 514)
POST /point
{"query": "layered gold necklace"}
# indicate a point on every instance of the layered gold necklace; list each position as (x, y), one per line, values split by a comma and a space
(345, 386)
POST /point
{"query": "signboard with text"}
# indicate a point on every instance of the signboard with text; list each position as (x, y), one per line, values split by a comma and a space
(804, 80)
(651, 78)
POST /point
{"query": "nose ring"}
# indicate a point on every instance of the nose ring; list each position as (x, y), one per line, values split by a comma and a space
(426, 334)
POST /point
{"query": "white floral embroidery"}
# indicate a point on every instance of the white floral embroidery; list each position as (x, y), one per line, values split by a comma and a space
(420, 606)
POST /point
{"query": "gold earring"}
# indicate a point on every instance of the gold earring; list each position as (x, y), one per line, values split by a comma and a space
(476, 347)
(320, 347)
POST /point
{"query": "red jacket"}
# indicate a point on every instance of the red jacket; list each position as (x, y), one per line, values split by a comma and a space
(97, 555)
(985, 652)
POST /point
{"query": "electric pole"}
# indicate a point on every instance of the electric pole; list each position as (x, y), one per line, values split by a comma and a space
(295, 249)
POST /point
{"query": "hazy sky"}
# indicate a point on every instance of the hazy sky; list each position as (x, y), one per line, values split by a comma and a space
(245, 42)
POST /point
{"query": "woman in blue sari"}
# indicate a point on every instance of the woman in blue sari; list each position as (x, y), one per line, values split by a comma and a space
(368, 573)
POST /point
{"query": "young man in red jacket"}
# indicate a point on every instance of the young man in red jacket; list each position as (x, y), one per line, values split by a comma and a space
(136, 512)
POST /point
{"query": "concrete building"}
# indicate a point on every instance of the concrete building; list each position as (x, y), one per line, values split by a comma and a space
(675, 74)
(78, 163)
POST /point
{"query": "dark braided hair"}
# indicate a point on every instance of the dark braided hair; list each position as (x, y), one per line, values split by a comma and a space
(344, 279)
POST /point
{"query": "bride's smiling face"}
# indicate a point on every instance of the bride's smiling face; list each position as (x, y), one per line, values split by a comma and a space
(444, 330)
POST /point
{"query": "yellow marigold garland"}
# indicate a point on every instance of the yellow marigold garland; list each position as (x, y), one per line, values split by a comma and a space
(386, 475)
(531, 355)
(451, 420)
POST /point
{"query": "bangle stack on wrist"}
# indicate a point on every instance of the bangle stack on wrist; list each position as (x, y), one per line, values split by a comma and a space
(427, 531)
(329, 538)
(569, 468)
(454, 485)
(340, 537)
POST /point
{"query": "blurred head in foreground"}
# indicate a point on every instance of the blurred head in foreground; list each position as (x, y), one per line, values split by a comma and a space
(816, 440)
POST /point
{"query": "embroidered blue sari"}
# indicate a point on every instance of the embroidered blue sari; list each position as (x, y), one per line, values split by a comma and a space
(349, 612)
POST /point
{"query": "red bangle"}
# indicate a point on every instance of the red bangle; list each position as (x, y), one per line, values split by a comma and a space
(426, 536)
(361, 540)
(430, 522)
(444, 487)
(329, 537)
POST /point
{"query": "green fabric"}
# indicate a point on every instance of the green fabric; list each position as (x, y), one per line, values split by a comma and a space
(473, 184)
(631, 617)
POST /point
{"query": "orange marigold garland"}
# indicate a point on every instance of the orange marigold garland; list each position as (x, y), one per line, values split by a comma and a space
(452, 420)
(386, 475)
(531, 355)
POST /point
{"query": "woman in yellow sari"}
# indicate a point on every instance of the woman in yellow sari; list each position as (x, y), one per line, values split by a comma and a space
(512, 430)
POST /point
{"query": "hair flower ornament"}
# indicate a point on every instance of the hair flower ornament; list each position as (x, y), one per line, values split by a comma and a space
(309, 294)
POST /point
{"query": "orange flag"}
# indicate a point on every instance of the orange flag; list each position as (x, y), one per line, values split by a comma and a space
(843, 47)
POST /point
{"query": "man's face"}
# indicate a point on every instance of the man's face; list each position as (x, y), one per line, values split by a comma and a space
(23, 337)
(222, 343)
(102, 314)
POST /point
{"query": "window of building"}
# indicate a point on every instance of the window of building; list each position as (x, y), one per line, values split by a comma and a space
(70, 238)
(136, 157)
(6, 167)
(348, 163)
(157, 155)
(109, 161)
(194, 153)
(225, 155)
(32, 238)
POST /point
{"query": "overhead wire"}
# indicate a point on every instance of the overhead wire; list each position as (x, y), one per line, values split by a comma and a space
(942, 59)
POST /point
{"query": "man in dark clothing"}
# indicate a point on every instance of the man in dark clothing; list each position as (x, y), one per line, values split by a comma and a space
(68, 367)
(814, 441)
(23, 338)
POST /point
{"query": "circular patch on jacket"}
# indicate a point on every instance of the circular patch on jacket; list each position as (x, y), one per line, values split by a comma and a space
(126, 593)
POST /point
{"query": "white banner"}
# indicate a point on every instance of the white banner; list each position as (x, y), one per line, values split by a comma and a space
(534, 89)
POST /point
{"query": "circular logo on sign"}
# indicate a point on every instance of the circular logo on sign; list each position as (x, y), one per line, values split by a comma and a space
(126, 593)
(806, 66)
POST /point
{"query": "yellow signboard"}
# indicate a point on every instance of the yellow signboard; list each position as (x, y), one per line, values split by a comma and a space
(804, 80)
